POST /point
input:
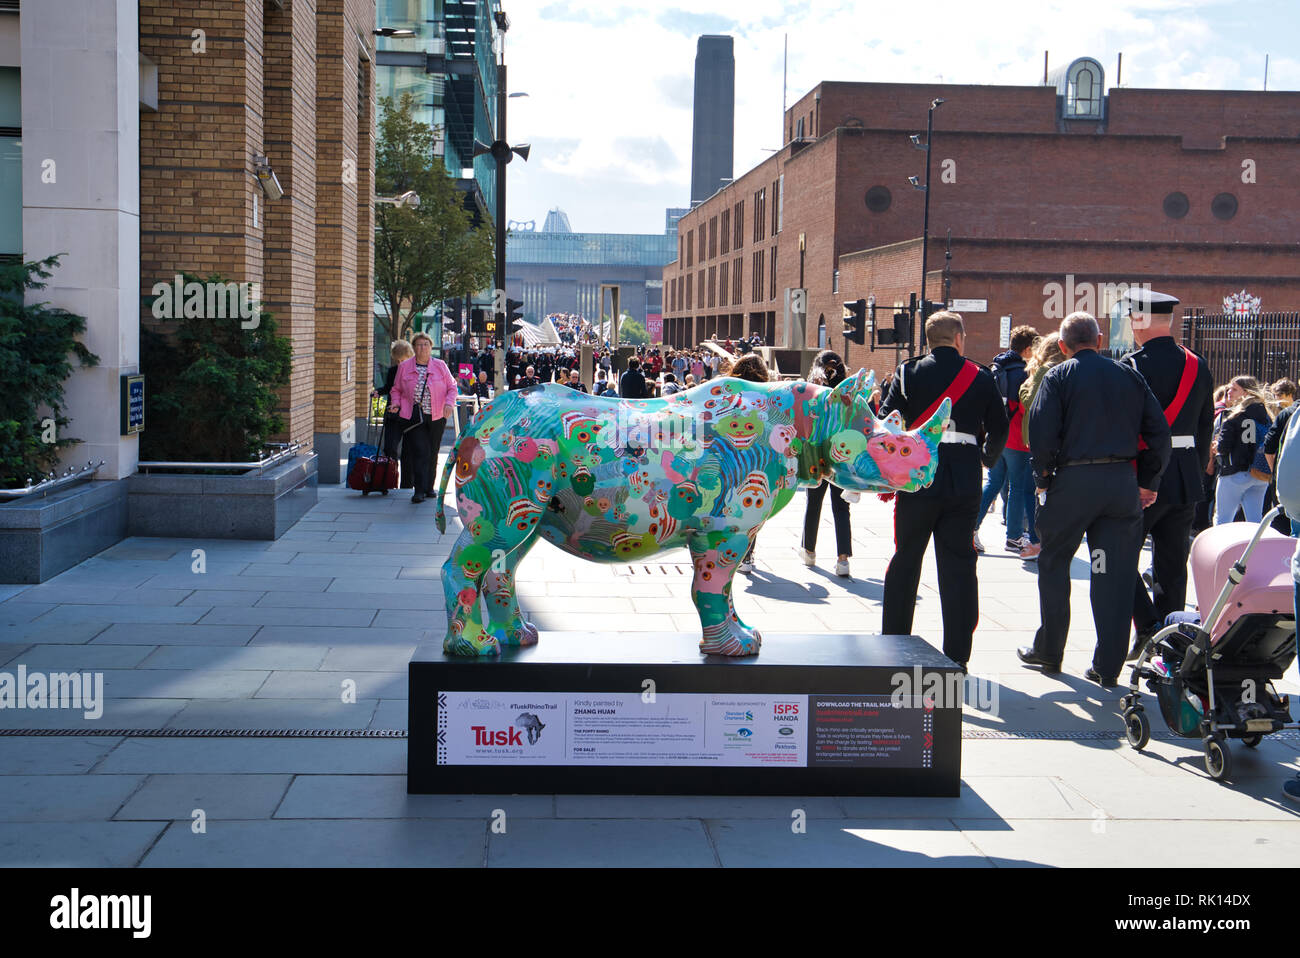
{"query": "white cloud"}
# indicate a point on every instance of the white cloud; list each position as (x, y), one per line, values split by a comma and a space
(610, 82)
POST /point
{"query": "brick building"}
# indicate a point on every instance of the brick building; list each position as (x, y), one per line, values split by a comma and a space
(1056, 197)
(291, 81)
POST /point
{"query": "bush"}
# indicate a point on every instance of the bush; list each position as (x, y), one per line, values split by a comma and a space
(211, 391)
(36, 343)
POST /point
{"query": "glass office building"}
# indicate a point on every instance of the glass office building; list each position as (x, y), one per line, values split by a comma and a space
(450, 65)
(554, 271)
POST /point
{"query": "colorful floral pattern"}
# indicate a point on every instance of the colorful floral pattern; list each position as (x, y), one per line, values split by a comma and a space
(615, 480)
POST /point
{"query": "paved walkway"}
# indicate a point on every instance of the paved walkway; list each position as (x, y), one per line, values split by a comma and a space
(258, 635)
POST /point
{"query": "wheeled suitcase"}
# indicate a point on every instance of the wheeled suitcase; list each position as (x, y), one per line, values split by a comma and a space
(358, 450)
(374, 473)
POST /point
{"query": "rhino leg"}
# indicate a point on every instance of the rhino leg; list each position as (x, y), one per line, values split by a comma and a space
(466, 633)
(505, 618)
(723, 632)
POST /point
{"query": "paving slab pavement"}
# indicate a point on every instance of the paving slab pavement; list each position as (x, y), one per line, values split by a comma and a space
(267, 638)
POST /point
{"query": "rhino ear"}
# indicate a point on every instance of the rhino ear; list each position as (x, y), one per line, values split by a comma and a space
(859, 383)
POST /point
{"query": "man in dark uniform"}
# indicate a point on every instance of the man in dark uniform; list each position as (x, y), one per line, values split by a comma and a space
(947, 508)
(1164, 364)
(1084, 430)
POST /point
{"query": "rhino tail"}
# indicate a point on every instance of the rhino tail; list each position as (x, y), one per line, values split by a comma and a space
(440, 516)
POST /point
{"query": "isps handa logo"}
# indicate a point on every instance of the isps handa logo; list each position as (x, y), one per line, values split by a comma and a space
(528, 724)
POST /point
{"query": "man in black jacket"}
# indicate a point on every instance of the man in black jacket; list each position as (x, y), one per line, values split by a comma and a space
(1163, 364)
(946, 509)
(631, 384)
(1086, 428)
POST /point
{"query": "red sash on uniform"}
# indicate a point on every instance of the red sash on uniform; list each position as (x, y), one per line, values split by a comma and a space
(956, 389)
(1185, 385)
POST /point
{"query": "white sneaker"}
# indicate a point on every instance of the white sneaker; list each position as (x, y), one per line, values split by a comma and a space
(809, 559)
(745, 567)
(842, 568)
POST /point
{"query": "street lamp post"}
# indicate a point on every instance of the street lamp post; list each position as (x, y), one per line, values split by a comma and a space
(502, 152)
(925, 223)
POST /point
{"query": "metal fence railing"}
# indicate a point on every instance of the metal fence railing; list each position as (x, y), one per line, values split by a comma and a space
(1263, 345)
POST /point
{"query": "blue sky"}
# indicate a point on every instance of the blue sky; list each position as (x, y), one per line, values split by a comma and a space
(610, 82)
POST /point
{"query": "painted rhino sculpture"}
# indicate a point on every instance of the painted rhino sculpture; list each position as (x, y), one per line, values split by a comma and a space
(614, 480)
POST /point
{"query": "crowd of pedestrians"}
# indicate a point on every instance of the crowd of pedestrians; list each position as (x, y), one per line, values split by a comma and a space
(1021, 431)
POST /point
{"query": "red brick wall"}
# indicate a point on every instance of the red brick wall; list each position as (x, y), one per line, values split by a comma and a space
(1033, 199)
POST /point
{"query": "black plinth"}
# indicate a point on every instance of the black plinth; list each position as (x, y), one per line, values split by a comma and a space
(645, 713)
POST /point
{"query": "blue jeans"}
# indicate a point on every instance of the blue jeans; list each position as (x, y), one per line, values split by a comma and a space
(1021, 505)
(1239, 489)
(997, 484)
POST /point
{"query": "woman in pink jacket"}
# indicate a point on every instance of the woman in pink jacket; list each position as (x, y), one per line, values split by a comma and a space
(422, 385)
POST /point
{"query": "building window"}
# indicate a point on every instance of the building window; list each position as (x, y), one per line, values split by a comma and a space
(879, 199)
(11, 163)
(1084, 86)
(756, 289)
(739, 225)
(1224, 206)
(713, 237)
(713, 276)
(776, 206)
(798, 129)
(689, 292)
(835, 281)
(690, 248)
(723, 269)
(725, 232)
(772, 271)
(780, 201)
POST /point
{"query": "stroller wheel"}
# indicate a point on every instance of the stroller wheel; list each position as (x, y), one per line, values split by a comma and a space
(1218, 758)
(1137, 727)
(1250, 741)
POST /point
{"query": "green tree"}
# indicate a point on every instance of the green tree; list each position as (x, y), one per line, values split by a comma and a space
(429, 253)
(213, 386)
(632, 332)
(37, 342)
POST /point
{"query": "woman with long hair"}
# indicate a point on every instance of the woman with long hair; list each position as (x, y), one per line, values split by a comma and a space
(1047, 353)
(1240, 436)
(828, 370)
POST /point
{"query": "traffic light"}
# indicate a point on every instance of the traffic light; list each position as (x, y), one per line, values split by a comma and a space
(514, 310)
(451, 315)
(855, 321)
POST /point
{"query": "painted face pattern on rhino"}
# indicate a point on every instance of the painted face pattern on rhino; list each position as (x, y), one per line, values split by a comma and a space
(896, 456)
(616, 481)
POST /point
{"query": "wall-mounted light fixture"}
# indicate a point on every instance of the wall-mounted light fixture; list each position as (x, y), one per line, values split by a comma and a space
(266, 177)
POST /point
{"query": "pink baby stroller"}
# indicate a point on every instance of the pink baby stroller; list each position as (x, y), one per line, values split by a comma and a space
(1245, 595)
